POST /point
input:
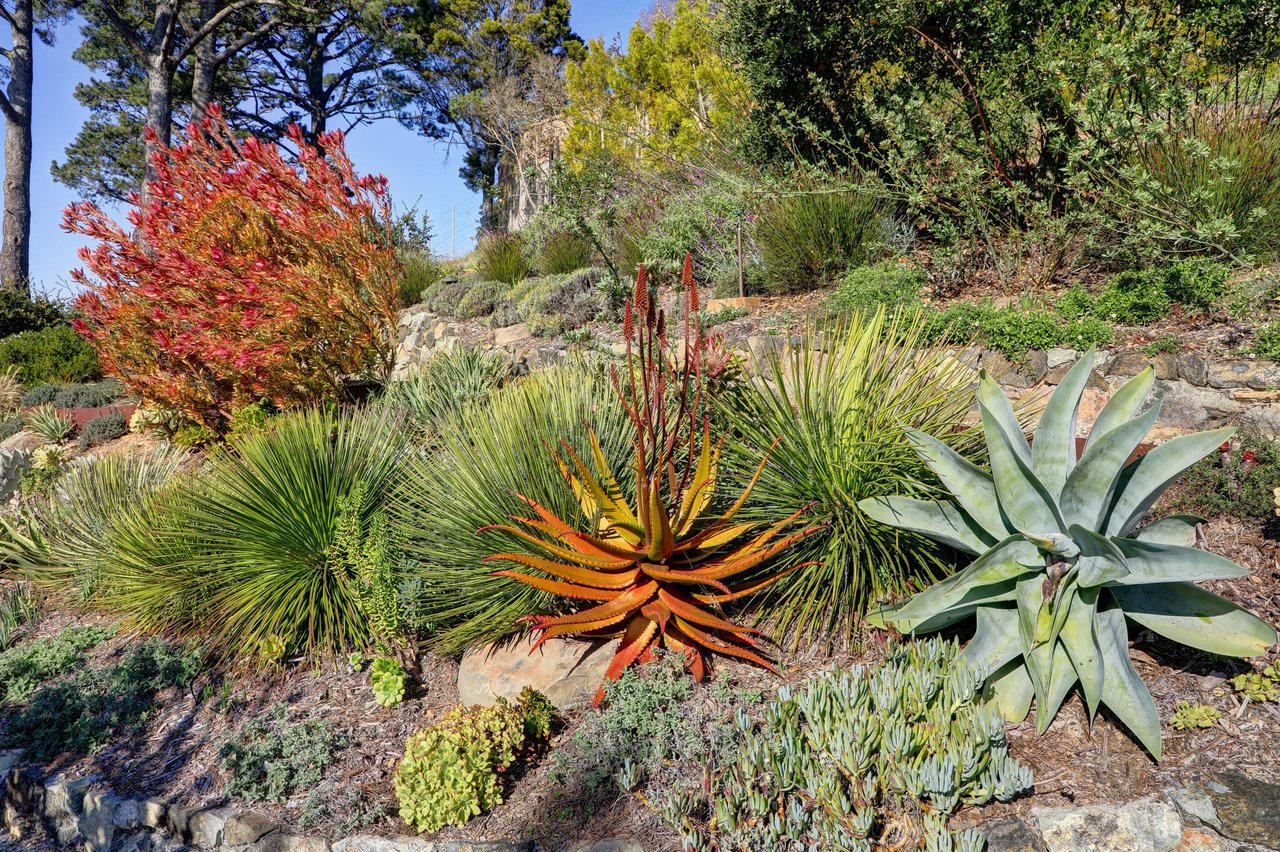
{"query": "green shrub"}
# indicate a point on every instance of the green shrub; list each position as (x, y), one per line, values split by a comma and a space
(501, 257)
(809, 238)
(1132, 298)
(67, 546)
(1015, 331)
(563, 252)
(866, 288)
(454, 770)
(12, 425)
(418, 271)
(1166, 344)
(19, 312)
(443, 296)
(1196, 284)
(1266, 341)
(81, 714)
(555, 304)
(706, 319)
(1074, 304)
(365, 552)
(102, 429)
(1063, 560)
(250, 419)
(1238, 483)
(388, 678)
(52, 354)
(445, 383)
(870, 755)
(49, 423)
(480, 299)
(840, 411)
(271, 759)
(89, 395)
(25, 667)
(487, 454)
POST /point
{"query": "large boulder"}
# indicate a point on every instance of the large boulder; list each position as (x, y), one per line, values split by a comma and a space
(567, 671)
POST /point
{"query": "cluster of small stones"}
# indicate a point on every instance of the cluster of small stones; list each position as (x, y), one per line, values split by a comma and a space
(1233, 812)
(80, 813)
(1196, 392)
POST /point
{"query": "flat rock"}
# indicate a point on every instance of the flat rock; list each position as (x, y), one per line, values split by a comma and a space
(373, 843)
(567, 671)
(1248, 808)
(207, 827)
(1186, 406)
(510, 335)
(1011, 835)
(22, 440)
(1128, 363)
(1147, 825)
(1259, 375)
(1196, 807)
(1058, 357)
(246, 828)
(1202, 840)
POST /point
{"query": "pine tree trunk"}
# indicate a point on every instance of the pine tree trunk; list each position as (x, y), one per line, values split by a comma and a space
(15, 254)
(159, 112)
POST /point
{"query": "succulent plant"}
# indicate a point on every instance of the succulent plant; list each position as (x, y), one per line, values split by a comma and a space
(852, 758)
(14, 465)
(49, 423)
(1259, 686)
(388, 679)
(1063, 560)
(657, 567)
(454, 770)
(1189, 716)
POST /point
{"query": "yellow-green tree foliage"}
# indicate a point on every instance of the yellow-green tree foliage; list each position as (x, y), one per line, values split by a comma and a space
(667, 97)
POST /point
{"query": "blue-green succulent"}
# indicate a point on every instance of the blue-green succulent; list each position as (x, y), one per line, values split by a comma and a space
(1064, 561)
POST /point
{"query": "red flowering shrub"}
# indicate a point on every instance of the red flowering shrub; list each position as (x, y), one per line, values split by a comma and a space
(245, 276)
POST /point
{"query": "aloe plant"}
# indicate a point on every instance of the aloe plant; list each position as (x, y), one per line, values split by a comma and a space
(1063, 558)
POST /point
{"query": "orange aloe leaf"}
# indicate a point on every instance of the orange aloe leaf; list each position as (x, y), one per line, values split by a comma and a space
(572, 573)
(714, 643)
(688, 610)
(742, 499)
(658, 611)
(692, 656)
(737, 566)
(628, 601)
(608, 483)
(604, 563)
(686, 578)
(742, 591)
(662, 544)
(562, 529)
(696, 498)
(556, 587)
(638, 637)
(618, 513)
(716, 536)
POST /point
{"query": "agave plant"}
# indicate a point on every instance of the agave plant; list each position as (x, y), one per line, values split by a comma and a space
(1063, 558)
(49, 423)
(657, 567)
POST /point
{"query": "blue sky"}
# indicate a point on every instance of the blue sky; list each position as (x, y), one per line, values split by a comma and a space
(422, 173)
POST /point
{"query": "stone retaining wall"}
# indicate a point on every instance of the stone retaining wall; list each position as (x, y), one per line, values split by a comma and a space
(1196, 392)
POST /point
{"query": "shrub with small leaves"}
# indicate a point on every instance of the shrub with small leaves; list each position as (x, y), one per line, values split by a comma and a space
(1266, 341)
(1237, 480)
(84, 395)
(455, 769)
(388, 679)
(866, 288)
(26, 666)
(102, 429)
(250, 419)
(1189, 716)
(501, 257)
(271, 758)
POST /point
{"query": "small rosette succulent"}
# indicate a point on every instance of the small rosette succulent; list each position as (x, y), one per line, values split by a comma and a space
(1063, 560)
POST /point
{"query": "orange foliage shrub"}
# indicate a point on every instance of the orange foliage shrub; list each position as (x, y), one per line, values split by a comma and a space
(245, 277)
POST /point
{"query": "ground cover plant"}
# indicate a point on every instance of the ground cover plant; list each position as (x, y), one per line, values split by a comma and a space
(271, 758)
(1063, 558)
(454, 770)
(658, 564)
(246, 277)
(23, 669)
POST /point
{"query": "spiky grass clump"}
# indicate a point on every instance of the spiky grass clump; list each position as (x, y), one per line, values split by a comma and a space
(10, 390)
(488, 454)
(842, 409)
(64, 545)
(809, 238)
(501, 257)
(242, 553)
(49, 423)
(447, 382)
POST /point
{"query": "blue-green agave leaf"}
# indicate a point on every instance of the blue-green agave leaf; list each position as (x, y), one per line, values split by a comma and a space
(1122, 406)
(943, 521)
(969, 484)
(1011, 691)
(1087, 494)
(1191, 616)
(1146, 478)
(1011, 558)
(1150, 562)
(1022, 498)
(1061, 678)
(995, 639)
(1123, 691)
(1175, 529)
(993, 401)
(1054, 448)
(1079, 638)
(1100, 560)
